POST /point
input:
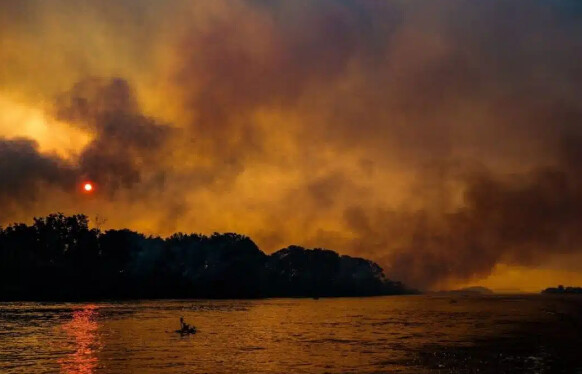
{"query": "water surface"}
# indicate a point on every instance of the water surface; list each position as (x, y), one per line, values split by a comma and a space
(399, 334)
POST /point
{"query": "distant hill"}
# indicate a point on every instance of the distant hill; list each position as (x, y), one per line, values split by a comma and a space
(59, 257)
(476, 290)
(508, 291)
(563, 290)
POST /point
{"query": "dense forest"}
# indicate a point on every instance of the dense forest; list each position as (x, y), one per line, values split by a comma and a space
(60, 257)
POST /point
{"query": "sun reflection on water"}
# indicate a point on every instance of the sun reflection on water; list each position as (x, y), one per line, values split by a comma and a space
(82, 330)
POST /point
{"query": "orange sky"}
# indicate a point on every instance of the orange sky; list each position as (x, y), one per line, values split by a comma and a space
(438, 140)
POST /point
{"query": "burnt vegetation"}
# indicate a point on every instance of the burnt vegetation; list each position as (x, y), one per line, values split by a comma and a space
(60, 257)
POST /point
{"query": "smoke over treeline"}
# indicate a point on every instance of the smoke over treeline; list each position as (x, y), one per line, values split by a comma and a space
(59, 257)
(440, 139)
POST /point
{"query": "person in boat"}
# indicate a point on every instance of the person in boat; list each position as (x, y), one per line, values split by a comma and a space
(186, 328)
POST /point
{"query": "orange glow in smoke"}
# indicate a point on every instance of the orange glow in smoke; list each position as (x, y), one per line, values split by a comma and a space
(88, 187)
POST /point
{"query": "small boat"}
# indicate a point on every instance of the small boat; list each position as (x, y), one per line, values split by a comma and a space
(186, 329)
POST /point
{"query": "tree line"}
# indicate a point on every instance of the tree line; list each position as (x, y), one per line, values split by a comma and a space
(563, 290)
(60, 257)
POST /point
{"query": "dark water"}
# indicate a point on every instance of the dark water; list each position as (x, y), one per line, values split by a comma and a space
(402, 334)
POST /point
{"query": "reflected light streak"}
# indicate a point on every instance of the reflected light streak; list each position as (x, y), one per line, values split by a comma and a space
(82, 330)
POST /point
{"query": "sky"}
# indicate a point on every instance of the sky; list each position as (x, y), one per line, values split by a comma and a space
(442, 139)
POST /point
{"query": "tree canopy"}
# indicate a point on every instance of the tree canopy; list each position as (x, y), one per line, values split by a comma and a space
(60, 257)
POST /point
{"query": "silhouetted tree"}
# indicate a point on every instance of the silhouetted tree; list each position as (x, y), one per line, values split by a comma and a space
(60, 257)
(563, 290)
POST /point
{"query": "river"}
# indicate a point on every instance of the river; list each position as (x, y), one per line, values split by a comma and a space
(399, 334)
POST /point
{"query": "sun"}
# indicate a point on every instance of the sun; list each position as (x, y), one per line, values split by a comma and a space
(88, 187)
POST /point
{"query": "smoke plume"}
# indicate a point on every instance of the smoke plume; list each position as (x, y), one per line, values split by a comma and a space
(441, 139)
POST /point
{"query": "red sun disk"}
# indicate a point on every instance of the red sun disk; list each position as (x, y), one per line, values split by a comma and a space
(88, 187)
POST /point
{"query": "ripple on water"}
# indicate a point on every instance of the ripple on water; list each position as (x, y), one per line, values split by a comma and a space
(391, 334)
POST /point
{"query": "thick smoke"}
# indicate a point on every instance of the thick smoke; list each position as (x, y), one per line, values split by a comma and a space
(440, 139)
(24, 172)
(520, 219)
(125, 141)
(125, 144)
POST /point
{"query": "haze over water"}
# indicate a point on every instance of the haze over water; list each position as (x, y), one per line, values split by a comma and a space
(400, 334)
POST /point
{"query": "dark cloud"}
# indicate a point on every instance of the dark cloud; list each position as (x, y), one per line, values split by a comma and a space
(520, 219)
(25, 172)
(126, 147)
(470, 110)
(126, 143)
(248, 59)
